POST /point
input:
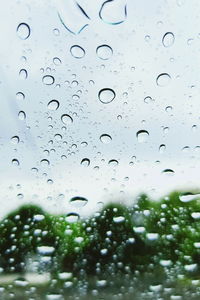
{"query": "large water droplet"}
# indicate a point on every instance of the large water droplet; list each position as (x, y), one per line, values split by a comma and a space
(104, 52)
(53, 105)
(66, 119)
(168, 39)
(106, 95)
(163, 79)
(142, 136)
(78, 201)
(23, 31)
(77, 51)
(105, 138)
(113, 12)
(187, 197)
(48, 79)
(22, 115)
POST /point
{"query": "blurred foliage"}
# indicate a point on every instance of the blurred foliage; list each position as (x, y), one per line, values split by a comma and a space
(159, 235)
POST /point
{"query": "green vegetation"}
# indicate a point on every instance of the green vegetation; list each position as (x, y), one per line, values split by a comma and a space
(163, 236)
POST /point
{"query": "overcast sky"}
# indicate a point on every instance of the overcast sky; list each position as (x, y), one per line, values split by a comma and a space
(144, 39)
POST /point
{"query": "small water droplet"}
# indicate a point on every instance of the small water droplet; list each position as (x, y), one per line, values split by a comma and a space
(66, 119)
(72, 217)
(78, 201)
(168, 39)
(15, 162)
(77, 51)
(53, 105)
(56, 31)
(104, 52)
(186, 149)
(44, 162)
(22, 115)
(168, 172)
(118, 219)
(85, 162)
(15, 139)
(194, 128)
(148, 99)
(168, 109)
(105, 138)
(113, 162)
(147, 38)
(48, 79)
(162, 148)
(106, 95)
(23, 74)
(142, 136)
(163, 79)
(56, 61)
(20, 96)
(23, 31)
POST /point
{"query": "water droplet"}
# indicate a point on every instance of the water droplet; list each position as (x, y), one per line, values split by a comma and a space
(48, 79)
(72, 217)
(163, 79)
(168, 109)
(53, 105)
(85, 162)
(162, 148)
(105, 138)
(194, 128)
(119, 219)
(78, 201)
(148, 99)
(44, 162)
(186, 149)
(20, 196)
(15, 162)
(147, 38)
(77, 51)
(23, 31)
(113, 13)
(84, 144)
(56, 31)
(180, 2)
(113, 162)
(106, 95)
(168, 39)
(104, 52)
(142, 136)
(22, 115)
(15, 139)
(56, 61)
(23, 74)
(187, 197)
(168, 172)
(66, 119)
(20, 96)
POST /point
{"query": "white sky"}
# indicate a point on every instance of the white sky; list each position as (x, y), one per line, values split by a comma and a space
(139, 56)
